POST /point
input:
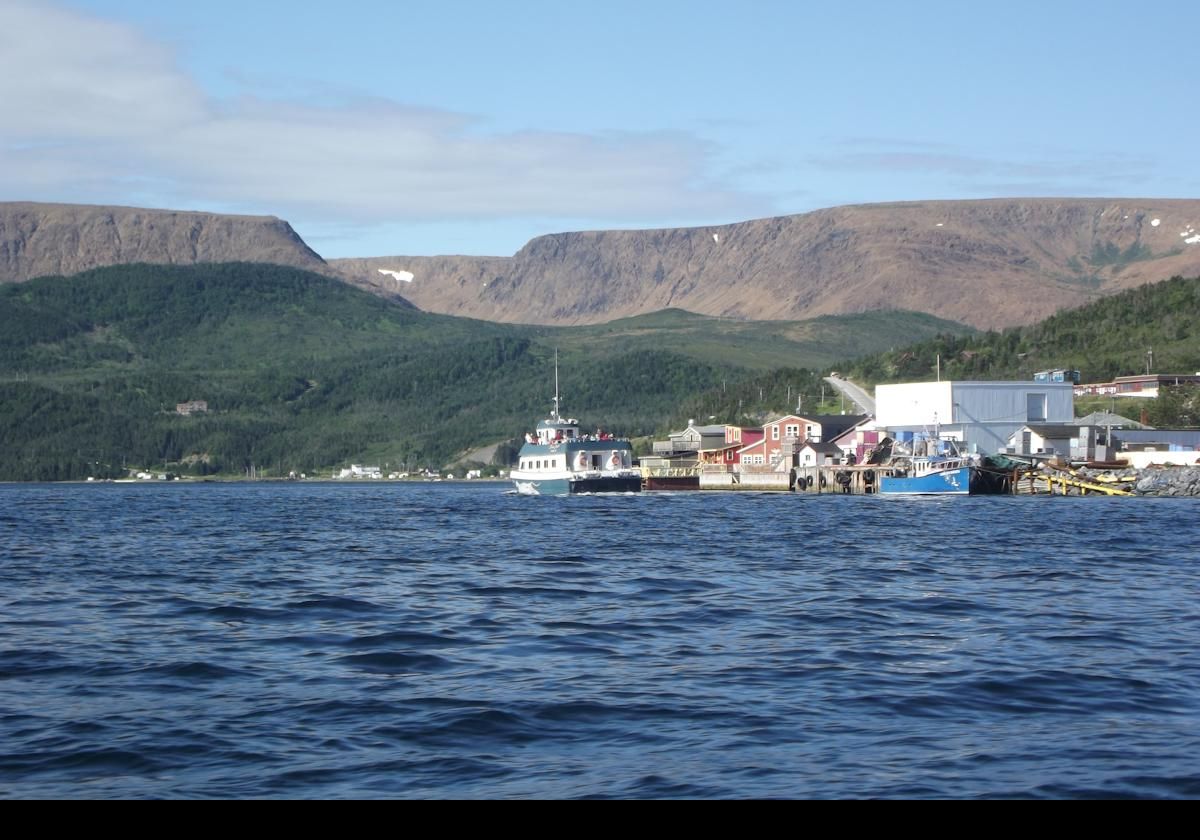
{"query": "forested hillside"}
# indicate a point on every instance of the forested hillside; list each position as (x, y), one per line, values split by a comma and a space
(1108, 338)
(302, 373)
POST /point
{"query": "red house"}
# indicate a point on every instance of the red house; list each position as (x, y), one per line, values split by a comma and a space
(783, 437)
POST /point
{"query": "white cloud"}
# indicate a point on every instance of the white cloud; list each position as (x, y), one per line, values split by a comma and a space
(67, 77)
(97, 111)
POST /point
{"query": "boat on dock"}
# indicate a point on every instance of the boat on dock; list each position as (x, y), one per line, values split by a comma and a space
(558, 460)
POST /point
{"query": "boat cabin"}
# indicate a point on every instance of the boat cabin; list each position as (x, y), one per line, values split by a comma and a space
(555, 429)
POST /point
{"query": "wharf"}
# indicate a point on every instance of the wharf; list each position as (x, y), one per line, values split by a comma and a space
(860, 480)
(851, 480)
(863, 479)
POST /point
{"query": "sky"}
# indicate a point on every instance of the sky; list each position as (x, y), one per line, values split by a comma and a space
(405, 128)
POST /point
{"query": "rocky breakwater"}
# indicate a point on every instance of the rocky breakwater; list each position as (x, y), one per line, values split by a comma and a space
(1168, 481)
(1149, 481)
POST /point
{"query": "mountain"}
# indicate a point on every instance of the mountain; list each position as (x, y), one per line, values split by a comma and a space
(56, 239)
(990, 263)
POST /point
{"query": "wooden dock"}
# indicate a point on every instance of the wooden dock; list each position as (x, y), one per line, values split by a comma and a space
(844, 480)
(857, 480)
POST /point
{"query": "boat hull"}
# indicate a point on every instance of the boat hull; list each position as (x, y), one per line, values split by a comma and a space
(575, 486)
(952, 482)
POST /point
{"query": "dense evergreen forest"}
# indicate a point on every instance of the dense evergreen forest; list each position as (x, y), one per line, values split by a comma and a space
(1105, 339)
(302, 373)
(1151, 328)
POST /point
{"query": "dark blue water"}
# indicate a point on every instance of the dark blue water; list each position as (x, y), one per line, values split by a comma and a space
(454, 641)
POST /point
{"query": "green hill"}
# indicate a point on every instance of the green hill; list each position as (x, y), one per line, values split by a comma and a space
(762, 345)
(301, 372)
(1105, 339)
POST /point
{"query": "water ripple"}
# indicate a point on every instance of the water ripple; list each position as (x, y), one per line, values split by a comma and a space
(340, 641)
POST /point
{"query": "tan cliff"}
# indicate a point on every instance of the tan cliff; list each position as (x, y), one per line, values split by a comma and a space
(51, 239)
(989, 263)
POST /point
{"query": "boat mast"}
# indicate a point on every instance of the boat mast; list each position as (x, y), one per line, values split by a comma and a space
(554, 414)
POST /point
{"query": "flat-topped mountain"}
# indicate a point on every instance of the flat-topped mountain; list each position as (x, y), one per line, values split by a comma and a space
(50, 239)
(989, 263)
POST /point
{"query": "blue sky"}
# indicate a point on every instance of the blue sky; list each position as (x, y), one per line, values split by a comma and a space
(398, 128)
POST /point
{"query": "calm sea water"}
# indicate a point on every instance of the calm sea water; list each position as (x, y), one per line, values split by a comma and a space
(309, 640)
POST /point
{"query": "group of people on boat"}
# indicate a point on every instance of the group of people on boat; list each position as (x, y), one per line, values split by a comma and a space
(558, 437)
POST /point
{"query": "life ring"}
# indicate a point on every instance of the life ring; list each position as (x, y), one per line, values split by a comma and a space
(582, 460)
(615, 460)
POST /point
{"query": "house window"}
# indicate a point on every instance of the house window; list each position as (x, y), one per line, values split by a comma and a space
(1035, 408)
(775, 432)
(793, 430)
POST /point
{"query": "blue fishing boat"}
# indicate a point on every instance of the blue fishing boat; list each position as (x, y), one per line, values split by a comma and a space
(558, 460)
(928, 476)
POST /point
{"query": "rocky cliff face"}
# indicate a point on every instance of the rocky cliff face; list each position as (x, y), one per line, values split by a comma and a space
(991, 264)
(45, 239)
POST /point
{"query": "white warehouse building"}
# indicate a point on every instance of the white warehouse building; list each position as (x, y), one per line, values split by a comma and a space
(981, 415)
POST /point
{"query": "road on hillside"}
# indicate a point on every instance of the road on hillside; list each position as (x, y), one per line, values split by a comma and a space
(854, 393)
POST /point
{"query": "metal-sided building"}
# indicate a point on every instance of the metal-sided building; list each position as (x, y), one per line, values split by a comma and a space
(980, 416)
